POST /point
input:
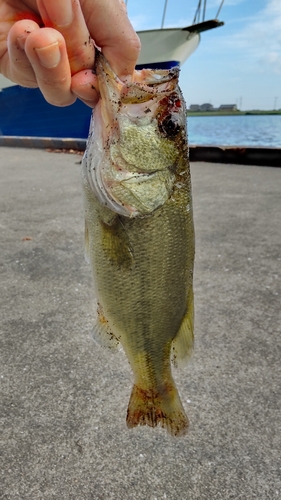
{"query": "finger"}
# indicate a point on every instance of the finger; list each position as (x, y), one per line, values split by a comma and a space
(46, 51)
(66, 17)
(112, 31)
(20, 70)
(84, 85)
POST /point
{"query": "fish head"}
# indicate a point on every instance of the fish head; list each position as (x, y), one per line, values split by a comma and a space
(137, 136)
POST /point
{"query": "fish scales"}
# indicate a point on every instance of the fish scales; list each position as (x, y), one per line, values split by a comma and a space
(140, 236)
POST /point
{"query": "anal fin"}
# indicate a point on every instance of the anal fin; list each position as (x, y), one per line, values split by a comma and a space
(102, 333)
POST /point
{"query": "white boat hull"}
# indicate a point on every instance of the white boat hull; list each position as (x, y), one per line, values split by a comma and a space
(166, 45)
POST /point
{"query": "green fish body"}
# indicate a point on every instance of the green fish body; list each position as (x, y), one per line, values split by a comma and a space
(140, 235)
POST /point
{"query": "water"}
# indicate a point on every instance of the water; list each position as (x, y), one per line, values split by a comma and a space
(240, 130)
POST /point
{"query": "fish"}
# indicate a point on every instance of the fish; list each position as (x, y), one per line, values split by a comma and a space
(139, 234)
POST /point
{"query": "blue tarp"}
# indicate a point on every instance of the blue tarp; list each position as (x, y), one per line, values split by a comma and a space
(24, 112)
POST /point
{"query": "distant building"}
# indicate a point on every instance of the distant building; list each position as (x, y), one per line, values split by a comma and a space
(203, 107)
(194, 107)
(209, 107)
(206, 107)
(228, 107)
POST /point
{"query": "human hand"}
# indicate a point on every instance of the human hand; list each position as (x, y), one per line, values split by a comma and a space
(49, 44)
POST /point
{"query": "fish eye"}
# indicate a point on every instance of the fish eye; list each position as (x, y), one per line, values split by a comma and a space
(169, 127)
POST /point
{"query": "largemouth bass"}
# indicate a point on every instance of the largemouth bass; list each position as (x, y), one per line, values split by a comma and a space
(139, 234)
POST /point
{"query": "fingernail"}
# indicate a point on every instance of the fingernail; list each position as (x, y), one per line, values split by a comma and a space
(49, 56)
(60, 12)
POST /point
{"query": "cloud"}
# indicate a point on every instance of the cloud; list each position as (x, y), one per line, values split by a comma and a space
(264, 36)
(259, 41)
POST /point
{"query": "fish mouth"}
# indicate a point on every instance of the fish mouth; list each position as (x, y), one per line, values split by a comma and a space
(148, 81)
(145, 115)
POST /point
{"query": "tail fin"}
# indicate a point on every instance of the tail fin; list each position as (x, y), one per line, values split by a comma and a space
(149, 407)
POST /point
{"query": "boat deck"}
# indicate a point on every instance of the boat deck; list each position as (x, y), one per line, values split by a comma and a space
(65, 398)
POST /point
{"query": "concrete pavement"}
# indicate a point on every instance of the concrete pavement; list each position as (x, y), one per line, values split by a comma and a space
(64, 399)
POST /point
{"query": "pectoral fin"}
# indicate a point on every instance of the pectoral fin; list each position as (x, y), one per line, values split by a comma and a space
(116, 244)
(183, 343)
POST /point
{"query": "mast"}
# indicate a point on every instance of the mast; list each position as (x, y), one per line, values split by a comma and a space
(222, 2)
(164, 14)
(204, 10)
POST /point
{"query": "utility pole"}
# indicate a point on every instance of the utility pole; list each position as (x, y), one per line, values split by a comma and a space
(240, 103)
(275, 103)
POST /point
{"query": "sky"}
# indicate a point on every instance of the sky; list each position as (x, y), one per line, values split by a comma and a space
(238, 63)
